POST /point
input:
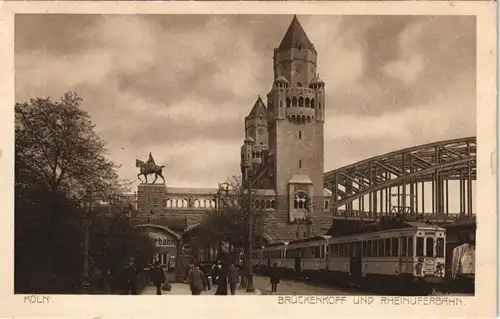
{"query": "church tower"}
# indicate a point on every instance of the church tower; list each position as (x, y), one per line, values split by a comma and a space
(296, 115)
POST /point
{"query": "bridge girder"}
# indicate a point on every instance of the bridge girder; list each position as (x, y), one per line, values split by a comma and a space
(435, 162)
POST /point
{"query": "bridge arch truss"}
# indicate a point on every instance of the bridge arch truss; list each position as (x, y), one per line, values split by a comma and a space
(403, 181)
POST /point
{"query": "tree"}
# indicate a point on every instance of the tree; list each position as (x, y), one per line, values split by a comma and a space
(56, 144)
(114, 240)
(228, 221)
(58, 157)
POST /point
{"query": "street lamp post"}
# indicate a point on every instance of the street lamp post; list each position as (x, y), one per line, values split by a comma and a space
(250, 287)
(88, 210)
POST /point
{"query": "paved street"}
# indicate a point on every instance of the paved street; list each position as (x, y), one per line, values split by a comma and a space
(183, 289)
(288, 287)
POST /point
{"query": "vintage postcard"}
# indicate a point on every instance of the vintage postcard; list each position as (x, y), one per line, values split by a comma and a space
(284, 159)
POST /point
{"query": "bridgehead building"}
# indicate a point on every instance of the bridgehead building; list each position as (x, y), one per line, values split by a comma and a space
(282, 155)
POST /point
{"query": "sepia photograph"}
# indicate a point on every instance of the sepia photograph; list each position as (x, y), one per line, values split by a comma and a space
(294, 154)
(344, 160)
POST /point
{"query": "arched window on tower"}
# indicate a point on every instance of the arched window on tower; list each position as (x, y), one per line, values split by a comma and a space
(288, 102)
(301, 101)
(301, 201)
(300, 46)
(294, 101)
(326, 205)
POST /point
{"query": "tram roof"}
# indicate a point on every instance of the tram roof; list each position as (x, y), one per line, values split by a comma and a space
(318, 237)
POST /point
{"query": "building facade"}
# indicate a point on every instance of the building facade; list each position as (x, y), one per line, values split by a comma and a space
(282, 154)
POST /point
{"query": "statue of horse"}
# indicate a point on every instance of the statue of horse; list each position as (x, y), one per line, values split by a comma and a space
(148, 169)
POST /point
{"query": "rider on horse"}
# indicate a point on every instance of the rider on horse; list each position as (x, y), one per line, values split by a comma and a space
(151, 161)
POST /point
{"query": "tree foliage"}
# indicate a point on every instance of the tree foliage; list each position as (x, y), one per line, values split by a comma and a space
(228, 222)
(58, 157)
(56, 144)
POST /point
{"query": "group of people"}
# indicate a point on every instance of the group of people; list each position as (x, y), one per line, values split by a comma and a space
(221, 275)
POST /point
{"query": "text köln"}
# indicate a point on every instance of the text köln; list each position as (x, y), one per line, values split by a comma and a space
(36, 299)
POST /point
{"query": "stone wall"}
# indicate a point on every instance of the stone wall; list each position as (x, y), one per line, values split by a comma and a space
(279, 228)
(151, 198)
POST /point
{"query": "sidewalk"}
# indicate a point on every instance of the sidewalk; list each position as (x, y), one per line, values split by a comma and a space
(183, 289)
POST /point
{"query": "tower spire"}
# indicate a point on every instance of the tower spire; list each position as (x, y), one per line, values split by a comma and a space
(295, 36)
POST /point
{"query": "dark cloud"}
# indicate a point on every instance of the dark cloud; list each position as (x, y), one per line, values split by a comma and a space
(54, 33)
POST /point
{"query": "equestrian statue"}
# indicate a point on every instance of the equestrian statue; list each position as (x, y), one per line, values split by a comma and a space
(149, 168)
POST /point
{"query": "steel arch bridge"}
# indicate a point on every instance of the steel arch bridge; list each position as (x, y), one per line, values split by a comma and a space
(405, 175)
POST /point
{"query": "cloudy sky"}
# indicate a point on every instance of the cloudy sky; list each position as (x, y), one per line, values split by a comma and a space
(180, 86)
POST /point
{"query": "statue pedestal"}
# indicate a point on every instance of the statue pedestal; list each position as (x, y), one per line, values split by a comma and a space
(151, 198)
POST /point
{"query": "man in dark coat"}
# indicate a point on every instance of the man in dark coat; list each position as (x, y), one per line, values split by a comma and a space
(222, 281)
(157, 277)
(131, 277)
(196, 280)
(275, 280)
(233, 278)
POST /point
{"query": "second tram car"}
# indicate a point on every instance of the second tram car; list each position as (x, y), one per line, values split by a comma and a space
(413, 256)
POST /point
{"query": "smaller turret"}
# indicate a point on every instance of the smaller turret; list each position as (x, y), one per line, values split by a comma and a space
(319, 88)
(256, 123)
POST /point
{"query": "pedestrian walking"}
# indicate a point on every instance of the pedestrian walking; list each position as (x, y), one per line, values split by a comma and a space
(157, 277)
(216, 269)
(208, 278)
(274, 276)
(196, 280)
(131, 277)
(233, 278)
(222, 281)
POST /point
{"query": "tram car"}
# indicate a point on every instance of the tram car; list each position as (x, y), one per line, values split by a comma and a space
(265, 258)
(409, 257)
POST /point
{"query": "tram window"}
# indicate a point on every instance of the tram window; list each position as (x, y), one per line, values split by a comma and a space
(404, 245)
(387, 250)
(364, 249)
(440, 247)
(410, 246)
(317, 253)
(394, 247)
(429, 247)
(380, 248)
(347, 250)
(369, 249)
(420, 247)
(341, 250)
(336, 250)
(374, 248)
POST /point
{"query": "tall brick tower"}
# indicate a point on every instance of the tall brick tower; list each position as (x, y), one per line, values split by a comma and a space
(297, 106)
(294, 120)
